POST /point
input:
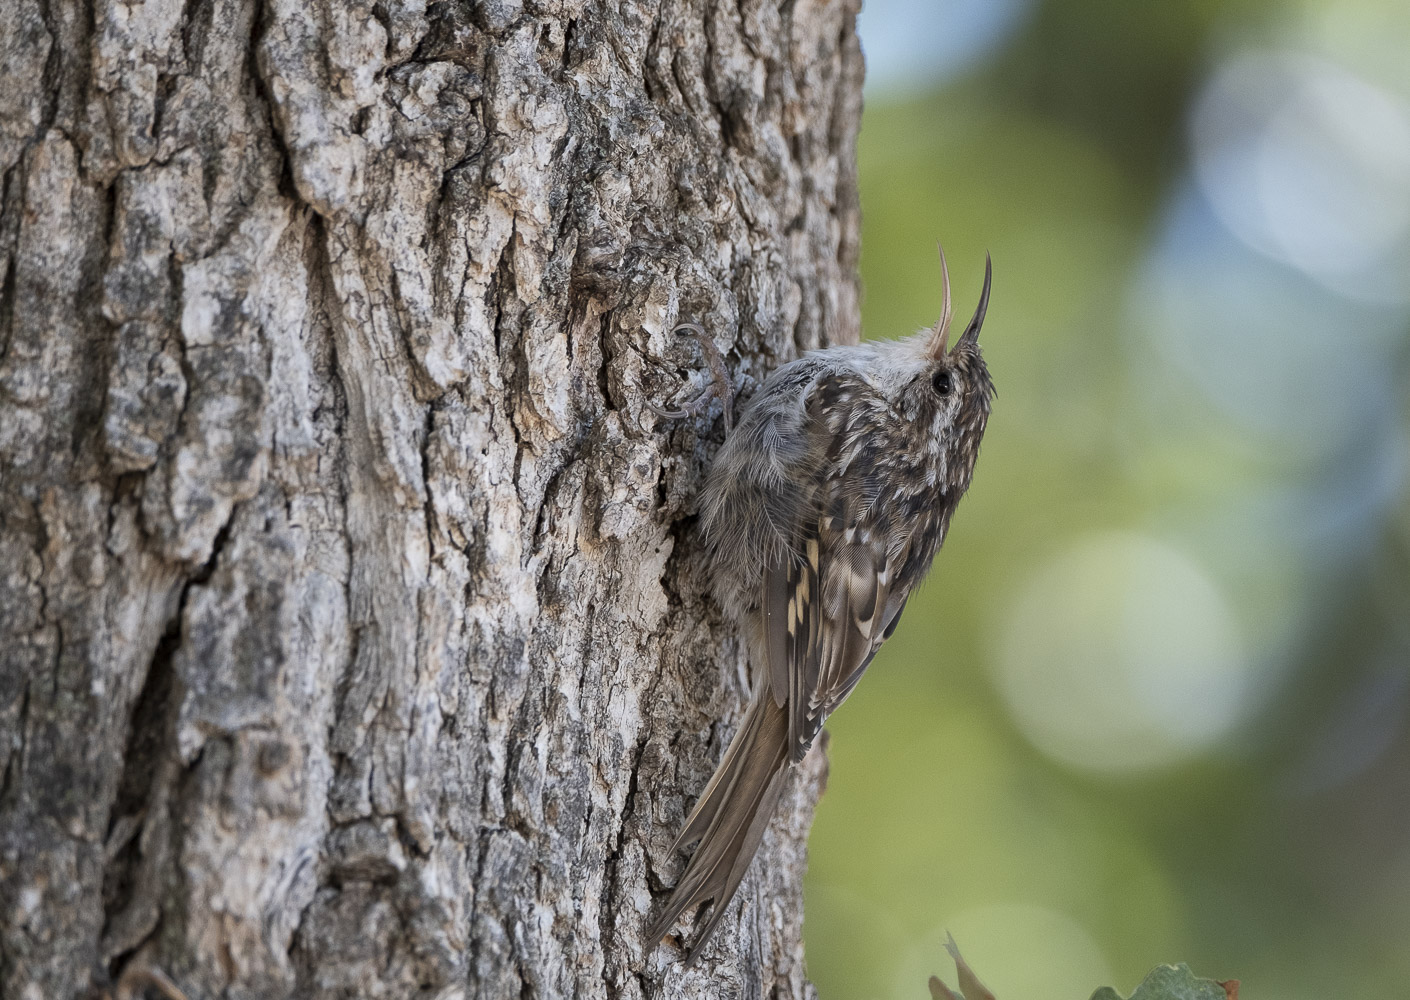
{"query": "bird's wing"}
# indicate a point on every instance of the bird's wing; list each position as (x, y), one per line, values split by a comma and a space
(830, 600)
(855, 606)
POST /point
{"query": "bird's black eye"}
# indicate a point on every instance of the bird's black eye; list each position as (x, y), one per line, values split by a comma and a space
(941, 383)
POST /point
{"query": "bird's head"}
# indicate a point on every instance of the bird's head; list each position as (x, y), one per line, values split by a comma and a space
(943, 391)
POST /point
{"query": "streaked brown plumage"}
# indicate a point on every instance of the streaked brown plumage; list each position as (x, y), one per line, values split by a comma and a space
(822, 511)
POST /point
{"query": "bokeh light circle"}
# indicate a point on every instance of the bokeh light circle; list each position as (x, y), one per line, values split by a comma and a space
(1121, 655)
(1309, 163)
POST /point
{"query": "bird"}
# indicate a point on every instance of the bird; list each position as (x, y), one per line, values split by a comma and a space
(820, 514)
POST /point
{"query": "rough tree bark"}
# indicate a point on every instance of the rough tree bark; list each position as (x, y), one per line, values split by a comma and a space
(353, 638)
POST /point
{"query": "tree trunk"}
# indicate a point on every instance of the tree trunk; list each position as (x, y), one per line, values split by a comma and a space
(354, 638)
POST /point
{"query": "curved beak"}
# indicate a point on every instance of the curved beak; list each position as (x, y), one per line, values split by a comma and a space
(971, 332)
(940, 332)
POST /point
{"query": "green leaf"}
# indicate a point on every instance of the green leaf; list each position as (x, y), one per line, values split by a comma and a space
(1170, 982)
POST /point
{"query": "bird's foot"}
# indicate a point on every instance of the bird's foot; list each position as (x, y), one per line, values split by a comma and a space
(718, 388)
(140, 976)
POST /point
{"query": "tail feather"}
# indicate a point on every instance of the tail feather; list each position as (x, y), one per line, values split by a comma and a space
(730, 819)
(746, 743)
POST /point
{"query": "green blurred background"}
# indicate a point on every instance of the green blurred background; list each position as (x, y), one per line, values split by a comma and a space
(1151, 705)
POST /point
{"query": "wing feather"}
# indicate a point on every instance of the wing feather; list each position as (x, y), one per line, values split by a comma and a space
(830, 596)
(777, 630)
(841, 609)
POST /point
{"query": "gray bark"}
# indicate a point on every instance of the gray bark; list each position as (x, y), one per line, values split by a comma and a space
(354, 642)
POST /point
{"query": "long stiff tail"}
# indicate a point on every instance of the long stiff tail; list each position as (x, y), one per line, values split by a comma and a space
(730, 819)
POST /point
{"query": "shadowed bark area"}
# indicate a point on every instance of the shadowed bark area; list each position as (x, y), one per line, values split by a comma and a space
(354, 640)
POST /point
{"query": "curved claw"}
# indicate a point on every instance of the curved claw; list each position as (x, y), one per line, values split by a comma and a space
(719, 387)
(138, 977)
(688, 410)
